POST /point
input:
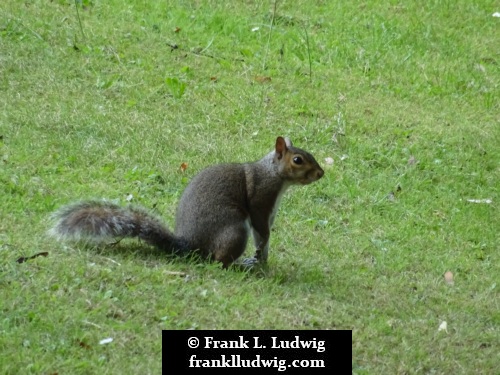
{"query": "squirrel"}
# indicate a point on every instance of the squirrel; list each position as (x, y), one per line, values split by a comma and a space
(216, 213)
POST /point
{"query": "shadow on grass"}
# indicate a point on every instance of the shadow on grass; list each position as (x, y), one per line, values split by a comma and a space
(154, 257)
(282, 274)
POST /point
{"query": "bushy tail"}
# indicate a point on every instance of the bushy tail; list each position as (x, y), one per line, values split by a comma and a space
(100, 220)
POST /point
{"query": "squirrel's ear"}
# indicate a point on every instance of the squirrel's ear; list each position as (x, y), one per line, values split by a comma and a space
(288, 142)
(281, 147)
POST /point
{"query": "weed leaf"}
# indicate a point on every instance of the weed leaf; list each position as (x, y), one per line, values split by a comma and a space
(176, 87)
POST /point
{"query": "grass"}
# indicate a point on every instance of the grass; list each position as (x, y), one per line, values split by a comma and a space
(404, 96)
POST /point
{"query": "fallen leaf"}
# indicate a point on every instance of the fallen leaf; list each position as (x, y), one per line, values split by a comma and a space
(176, 273)
(177, 29)
(84, 345)
(106, 341)
(480, 68)
(448, 278)
(412, 160)
(305, 113)
(487, 201)
(329, 161)
(263, 79)
(443, 327)
(24, 259)
(213, 79)
(183, 167)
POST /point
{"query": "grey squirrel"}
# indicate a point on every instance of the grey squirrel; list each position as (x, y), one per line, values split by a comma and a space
(217, 211)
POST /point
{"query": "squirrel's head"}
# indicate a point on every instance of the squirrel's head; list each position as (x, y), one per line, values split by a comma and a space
(297, 166)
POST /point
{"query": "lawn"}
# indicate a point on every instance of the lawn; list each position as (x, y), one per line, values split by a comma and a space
(398, 101)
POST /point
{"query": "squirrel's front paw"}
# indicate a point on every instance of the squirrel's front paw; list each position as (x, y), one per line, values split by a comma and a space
(250, 262)
(247, 264)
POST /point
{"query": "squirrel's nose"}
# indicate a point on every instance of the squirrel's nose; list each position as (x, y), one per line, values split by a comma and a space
(320, 173)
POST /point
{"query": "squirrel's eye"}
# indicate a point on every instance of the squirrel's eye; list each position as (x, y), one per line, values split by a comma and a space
(298, 160)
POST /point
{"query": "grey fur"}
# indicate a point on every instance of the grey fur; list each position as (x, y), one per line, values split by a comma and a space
(217, 212)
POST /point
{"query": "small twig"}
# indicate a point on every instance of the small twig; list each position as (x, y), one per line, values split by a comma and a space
(111, 260)
(176, 273)
(207, 47)
(116, 242)
(91, 324)
(270, 32)
(225, 96)
(79, 19)
(308, 53)
(24, 259)
(201, 53)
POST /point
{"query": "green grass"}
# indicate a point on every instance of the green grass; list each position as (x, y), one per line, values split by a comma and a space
(404, 96)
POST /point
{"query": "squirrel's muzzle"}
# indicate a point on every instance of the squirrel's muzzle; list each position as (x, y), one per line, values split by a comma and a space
(312, 176)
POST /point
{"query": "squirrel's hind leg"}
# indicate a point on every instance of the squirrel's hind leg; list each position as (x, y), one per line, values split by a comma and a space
(229, 244)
